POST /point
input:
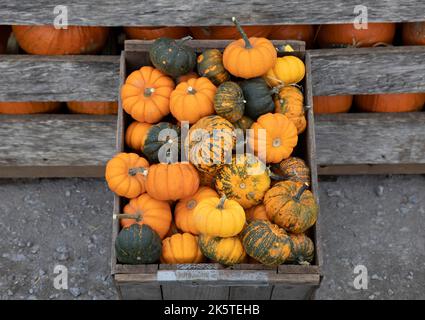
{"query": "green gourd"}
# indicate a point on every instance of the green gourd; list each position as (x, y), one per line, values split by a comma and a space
(172, 57)
(138, 244)
(258, 97)
(162, 143)
(229, 102)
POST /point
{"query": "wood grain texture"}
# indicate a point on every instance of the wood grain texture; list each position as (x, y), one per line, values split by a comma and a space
(58, 78)
(360, 169)
(370, 139)
(138, 291)
(284, 292)
(368, 70)
(195, 292)
(250, 293)
(198, 12)
(46, 142)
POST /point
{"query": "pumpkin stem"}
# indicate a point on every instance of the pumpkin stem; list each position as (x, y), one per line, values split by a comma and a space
(148, 92)
(221, 203)
(303, 262)
(191, 90)
(133, 171)
(137, 217)
(184, 39)
(248, 44)
(300, 192)
(276, 90)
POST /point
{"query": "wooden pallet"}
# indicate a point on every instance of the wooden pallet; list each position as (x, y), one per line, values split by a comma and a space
(213, 281)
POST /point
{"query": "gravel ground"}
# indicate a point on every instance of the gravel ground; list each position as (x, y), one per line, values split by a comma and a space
(376, 221)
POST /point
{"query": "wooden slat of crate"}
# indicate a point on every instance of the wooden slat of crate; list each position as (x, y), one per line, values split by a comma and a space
(55, 145)
(199, 12)
(360, 143)
(368, 70)
(58, 78)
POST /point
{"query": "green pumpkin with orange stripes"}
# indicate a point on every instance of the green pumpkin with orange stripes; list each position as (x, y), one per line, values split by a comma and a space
(302, 249)
(244, 180)
(210, 143)
(266, 242)
(227, 251)
(210, 65)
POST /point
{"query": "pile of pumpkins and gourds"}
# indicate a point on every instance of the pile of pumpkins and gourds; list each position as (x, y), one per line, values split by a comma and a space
(227, 211)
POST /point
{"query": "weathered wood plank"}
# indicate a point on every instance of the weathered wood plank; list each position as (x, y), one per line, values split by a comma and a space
(195, 292)
(360, 169)
(337, 71)
(250, 293)
(370, 139)
(137, 291)
(284, 292)
(368, 70)
(57, 145)
(198, 12)
(58, 78)
(220, 278)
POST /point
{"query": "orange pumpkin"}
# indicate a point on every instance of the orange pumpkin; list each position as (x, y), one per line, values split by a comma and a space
(291, 206)
(93, 107)
(48, 40)
(280, 137)
(226, 33)
(172, 181)
(4, 36)
(183, 213)
(28, 107)
(414, 33)
(152, 33)
(346, 35)
(302, 32)
(256, 213)
(249, 57)
(332, 104)
(135, 135)
(290, 102)
(181, 248)
(125, 174)
(146, 210)
(146, 94)
(186, 77)
(193, 100)
(399, 102)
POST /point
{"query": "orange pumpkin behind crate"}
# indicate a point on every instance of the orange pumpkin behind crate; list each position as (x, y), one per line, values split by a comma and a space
(302, 32)
(346, 35)
(225, 33)
(28, 107)
(414, 33)
(93, 107)
(332, 104)
(47, 40)
(398, 102)
(152, 33)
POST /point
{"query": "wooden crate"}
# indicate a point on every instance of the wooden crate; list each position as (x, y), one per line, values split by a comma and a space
(214, 281)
